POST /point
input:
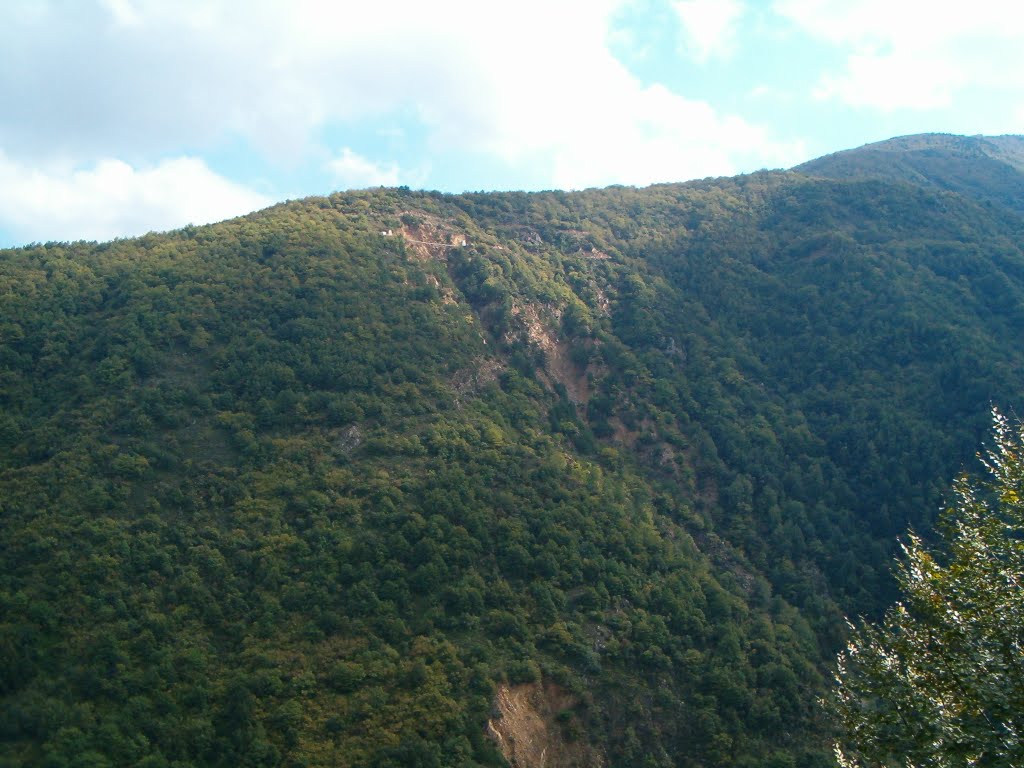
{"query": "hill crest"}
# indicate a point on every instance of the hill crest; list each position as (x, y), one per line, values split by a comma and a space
(987, 168)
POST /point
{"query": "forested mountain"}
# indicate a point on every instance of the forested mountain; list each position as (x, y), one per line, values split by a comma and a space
(988, 168)
(394, 478)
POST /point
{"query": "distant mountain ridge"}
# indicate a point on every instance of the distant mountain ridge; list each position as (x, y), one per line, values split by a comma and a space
(988, 168)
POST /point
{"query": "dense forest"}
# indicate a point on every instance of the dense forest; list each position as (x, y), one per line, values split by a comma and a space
(329, 483)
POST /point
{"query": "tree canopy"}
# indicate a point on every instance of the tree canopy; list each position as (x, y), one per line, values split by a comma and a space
(940, 682)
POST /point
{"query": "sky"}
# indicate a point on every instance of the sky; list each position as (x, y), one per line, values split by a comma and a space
(119, 117)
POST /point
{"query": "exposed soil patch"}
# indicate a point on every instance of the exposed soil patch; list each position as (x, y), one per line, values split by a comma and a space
(534, 727)
(428, 237)
(447, 295)
(468, 381)
(558, 360)
(623, 434)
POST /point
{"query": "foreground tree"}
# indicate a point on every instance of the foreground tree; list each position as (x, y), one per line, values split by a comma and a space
(940, 682)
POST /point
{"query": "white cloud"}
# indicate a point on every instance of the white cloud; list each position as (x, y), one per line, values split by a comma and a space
(497, 78)
(531, 84)
(891, 81)
(709, 27)
(112, 199)
(123, 12)
(657, 136)
(353, 171)
(577, 110)
(914, 54)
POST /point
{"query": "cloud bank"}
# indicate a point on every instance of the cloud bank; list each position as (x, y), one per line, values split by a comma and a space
(302, 94)
(529, 85)
(914, 54)
(113, 199)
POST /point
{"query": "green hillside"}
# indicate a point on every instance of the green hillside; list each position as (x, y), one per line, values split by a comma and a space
(988, 168)
(359, 480)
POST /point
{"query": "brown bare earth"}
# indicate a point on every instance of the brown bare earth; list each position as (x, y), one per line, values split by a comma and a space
(430, 238)
(556, 352)
(469, 381)
(530, 733)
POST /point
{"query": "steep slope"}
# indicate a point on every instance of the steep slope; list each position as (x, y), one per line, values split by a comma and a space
(276, 493)
(326, 486)
(816, 354)
(988, 168)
